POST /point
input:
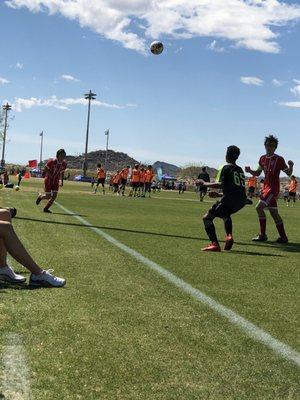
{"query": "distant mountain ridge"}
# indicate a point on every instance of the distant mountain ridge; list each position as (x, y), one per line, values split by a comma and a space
(115, 161)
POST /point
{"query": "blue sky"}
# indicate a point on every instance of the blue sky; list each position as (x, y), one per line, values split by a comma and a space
(229, 74)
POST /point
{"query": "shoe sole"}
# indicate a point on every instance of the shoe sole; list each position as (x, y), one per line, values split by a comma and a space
(6, 278)
(212, 250)
(45, 284)
(228, 244)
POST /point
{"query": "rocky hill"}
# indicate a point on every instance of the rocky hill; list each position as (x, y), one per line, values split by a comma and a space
(115, 160)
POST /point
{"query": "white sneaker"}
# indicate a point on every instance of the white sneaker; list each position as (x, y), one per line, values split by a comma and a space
(7, 274)
(47, 279)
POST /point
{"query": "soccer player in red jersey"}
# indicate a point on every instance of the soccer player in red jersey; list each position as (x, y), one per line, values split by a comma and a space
(272, 164)
(53, 172)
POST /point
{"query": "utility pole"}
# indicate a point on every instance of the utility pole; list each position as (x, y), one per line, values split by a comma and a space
(41, 149)
(88, 96)
(6, 107)
(106, 133)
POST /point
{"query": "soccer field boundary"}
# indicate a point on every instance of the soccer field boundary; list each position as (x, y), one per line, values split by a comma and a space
(15, 383)
(256, 333)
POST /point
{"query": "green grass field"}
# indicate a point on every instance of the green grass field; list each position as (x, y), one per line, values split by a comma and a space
(119, 330)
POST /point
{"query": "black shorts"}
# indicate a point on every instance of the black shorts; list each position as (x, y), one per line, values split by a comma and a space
(203, 189)
(135, 185)
(223, 210)
(100, 181)
(292, 194)
(148, 186)
(123, 181)
(142, 184)
(251, 189)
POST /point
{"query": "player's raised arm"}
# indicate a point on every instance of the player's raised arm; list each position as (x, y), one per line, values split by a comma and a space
(289, 170)
(255, 172)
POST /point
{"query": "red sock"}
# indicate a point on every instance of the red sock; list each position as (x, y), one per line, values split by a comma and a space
(281, 231)
(262, 223)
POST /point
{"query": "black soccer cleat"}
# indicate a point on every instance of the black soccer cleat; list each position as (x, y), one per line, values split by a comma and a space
(260, 238)
(46, 210)
(13, 211)
(282, 240)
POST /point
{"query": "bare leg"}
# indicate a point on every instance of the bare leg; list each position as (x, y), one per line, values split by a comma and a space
(13, 245)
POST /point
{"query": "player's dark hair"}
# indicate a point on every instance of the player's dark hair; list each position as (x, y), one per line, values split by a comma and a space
(136, 166)
(233, 153)
(203, 169)
(293, 177)
(149, 166)
(60, 151)
(98, 165)
(271, 139)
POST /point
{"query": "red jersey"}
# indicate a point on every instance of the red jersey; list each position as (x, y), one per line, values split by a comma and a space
(272, 166)
(54, 169)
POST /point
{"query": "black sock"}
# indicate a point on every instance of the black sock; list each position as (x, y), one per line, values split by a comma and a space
(210, 229)
(228, 225)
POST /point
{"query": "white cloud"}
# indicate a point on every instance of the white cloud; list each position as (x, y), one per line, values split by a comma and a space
(3, 81)
(276, 82)
(61, 104)
(214, 47)
(249, 24)
(69, 78)
(296, 90)
(291, 104)
(251, 80)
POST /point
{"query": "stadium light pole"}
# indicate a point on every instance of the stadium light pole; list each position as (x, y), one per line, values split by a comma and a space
(41, 149)
(88, 96)
(106, 133)
(6, 107)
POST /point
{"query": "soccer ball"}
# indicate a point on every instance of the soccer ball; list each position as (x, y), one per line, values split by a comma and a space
(17, 187)
(156, 48)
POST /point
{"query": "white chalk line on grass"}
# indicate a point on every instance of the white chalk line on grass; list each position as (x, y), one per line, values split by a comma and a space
(248, 327)
(15, 385)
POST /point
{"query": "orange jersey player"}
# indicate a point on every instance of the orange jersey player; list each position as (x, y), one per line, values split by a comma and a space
(142, 182)
(100, 178)
(149, 175)
(116, 180)
(292, 190)
(124, 176)
(252, 183)
(135, 180)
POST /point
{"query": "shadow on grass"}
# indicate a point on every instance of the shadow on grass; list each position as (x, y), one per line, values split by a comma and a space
(68, 215)
(15, 286)
(253, 253)
(289, 247)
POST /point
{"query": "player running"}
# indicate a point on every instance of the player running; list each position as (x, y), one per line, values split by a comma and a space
(271, 164)
(53, 172)
(100, 178)
(292, 190)
(231, 179)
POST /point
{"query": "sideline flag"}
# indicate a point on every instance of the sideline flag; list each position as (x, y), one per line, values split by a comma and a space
(32, 163)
